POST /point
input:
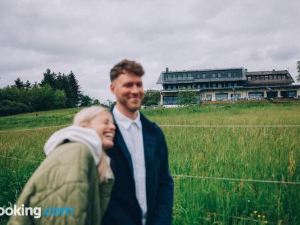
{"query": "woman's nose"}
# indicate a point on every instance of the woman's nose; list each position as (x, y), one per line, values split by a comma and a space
(112, 126)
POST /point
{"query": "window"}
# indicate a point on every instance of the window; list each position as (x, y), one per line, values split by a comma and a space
(289, 94)
(169, 100)
(255, 95)
(214, 75)
(204, 76)
(208, 97)
(221, 96)
(219, 75)
(236, 96)
(229, 74)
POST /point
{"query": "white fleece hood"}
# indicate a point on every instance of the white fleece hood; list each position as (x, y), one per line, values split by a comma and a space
(86, 136)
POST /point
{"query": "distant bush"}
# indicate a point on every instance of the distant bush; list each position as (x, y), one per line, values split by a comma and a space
(8, 107)
(15, 100)
(188, 98)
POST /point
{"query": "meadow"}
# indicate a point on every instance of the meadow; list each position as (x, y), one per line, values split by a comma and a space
(253, 144)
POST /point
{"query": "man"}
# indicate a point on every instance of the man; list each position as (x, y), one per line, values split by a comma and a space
(143, 189)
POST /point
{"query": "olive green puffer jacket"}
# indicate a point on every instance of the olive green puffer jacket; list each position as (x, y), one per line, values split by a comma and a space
(66, 188)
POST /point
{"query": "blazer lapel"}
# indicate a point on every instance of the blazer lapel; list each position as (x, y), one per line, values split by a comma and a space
(121, 145)
(149, 150)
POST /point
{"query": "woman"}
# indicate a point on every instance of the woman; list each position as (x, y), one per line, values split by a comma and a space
(65, 188)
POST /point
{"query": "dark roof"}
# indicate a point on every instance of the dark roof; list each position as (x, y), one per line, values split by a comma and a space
(263, 73)
(203, 70)
(273, 72)
(241, 75)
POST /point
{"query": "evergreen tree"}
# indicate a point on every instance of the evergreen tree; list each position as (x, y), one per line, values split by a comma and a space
(61, 81)
(298, 69)
(27, 84)
(19, 84)
(73, 90)
(49, 79)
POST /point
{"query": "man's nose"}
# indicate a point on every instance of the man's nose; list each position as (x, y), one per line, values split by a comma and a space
(135, 89)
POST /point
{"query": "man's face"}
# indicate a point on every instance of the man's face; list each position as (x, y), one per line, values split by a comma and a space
(129, 92)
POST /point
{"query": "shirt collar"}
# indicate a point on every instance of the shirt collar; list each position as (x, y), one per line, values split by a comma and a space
(124, 121)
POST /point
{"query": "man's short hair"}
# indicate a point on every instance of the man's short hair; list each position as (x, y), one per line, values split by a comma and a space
(128, 66)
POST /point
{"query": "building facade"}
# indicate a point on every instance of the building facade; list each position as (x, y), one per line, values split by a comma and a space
(229, 84)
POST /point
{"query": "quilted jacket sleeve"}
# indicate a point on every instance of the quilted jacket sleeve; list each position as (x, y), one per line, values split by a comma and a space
(65, 187)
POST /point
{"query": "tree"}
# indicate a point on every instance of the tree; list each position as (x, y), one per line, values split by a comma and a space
(152, 97)
(188, 97)
(72, 90)
(67, 83)
(49, 79)
(27, 84)
(8, 107)
(19, 84)
(85, 100)
(44, 98)
(54, 91)
(298, 69)
(96, 102)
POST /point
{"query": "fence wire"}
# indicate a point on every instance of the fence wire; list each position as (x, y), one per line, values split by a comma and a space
(183, 125)
(183, 176)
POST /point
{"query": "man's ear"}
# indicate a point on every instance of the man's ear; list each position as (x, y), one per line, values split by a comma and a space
(112, 87)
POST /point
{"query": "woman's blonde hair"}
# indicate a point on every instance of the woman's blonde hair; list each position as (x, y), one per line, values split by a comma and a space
(85, 115)
(82, 119)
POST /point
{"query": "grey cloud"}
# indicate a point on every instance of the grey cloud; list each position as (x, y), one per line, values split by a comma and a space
(89, 37)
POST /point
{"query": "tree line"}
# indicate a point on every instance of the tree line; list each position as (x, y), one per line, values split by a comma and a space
(53, 92)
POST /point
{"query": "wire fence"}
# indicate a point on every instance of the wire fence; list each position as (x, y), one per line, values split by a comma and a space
(183, 176)
(180, 125)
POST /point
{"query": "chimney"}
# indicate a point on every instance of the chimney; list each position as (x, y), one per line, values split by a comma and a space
(167, 69)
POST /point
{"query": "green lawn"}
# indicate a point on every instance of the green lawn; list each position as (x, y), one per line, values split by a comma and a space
(242, 152)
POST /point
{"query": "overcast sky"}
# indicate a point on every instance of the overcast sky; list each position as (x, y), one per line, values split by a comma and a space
(90, 36)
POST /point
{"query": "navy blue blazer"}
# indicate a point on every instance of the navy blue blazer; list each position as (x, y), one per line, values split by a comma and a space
(123, 208)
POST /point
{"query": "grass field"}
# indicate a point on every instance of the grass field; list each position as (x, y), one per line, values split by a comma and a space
(227, 144)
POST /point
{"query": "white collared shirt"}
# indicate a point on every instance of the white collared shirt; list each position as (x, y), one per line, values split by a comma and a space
(131, 131)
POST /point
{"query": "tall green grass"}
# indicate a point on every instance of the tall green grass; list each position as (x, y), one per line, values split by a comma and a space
(262, 153)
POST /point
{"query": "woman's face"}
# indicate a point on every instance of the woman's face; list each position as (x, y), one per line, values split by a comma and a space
(103, 124)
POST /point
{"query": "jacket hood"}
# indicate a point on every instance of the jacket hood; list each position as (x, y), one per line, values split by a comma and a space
(86, 136)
